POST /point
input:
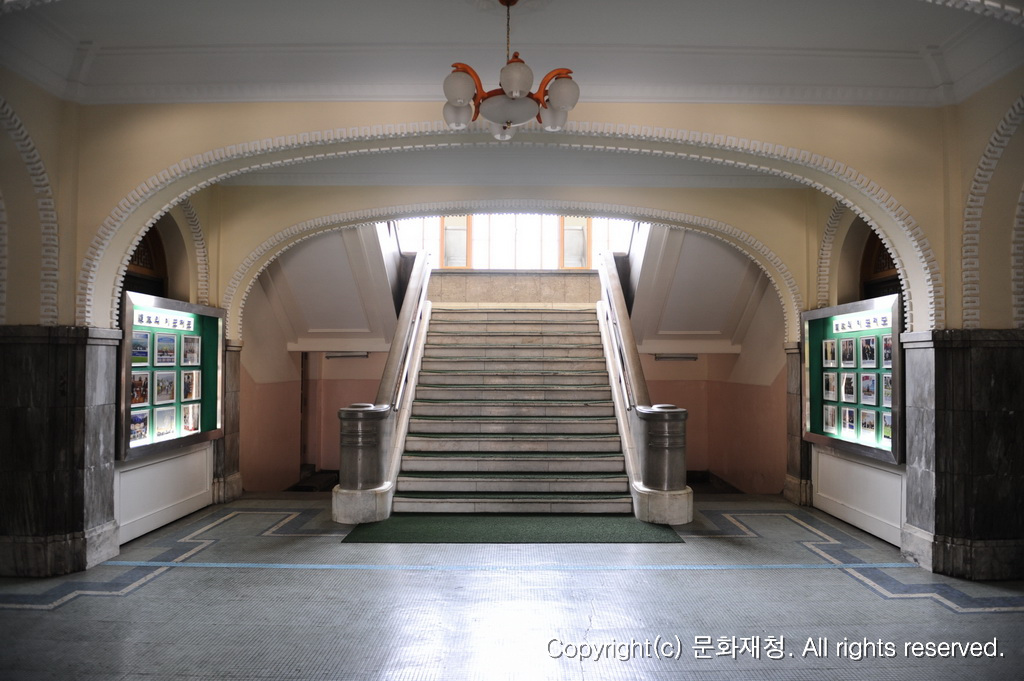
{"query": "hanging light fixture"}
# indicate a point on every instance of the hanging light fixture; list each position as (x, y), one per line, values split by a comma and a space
(512, 104)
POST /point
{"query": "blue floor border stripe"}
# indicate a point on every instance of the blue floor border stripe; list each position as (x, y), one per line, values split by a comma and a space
(505, 568)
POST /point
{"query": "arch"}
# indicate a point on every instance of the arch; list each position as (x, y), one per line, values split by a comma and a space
(1017, 263)
(49, 231)
(259, 259)
(824, 268)
(1004, 11)
(858, 193)
(202, 255)
(3, 261)
(970, 251)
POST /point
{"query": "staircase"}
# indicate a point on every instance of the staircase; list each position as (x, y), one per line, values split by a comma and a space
(513, 414)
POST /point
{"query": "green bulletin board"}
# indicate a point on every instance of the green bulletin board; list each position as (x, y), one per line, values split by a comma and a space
(172, 369)
(852, 385)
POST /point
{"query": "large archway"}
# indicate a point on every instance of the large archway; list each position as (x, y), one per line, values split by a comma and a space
(101, 270)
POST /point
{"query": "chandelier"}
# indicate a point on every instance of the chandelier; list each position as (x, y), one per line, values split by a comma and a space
(512, 104)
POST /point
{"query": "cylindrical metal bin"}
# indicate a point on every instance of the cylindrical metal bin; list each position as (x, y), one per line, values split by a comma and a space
(361, 461)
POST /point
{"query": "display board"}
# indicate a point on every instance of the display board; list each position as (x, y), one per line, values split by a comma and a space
(171, 368)
(852, 386)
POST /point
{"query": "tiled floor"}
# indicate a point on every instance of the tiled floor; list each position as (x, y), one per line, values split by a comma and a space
(263, 588)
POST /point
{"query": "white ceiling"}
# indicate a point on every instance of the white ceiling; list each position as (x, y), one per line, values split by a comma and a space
(905, 52)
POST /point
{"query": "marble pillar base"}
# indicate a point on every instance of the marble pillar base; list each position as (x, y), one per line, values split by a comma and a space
(798, 491)
(354, 506)
(976, 559)
(57, 554)
(663, 507)
(227, 489)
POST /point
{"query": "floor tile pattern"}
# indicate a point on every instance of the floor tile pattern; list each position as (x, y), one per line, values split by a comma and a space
(263, 588)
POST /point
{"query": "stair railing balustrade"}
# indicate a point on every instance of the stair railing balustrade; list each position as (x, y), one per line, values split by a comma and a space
(656, 433)
(368, 431)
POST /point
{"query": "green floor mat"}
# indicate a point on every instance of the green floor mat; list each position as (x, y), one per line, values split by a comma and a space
(513, 528)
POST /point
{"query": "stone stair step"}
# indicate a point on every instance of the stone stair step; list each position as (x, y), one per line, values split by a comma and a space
(517, 315)
(554, 339)
(500, 365)
(430, 377)
(511, 408)
(553, 425)
(506, 352)
(566, 462)
(518, 393)
(481, 442)
(552, 502)
(517, 327)
(510, 483)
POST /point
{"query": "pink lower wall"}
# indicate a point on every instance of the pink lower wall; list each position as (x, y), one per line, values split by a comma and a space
(734, 430)
(326, 397)
(269, 441)
(747, 433)
(693, 397)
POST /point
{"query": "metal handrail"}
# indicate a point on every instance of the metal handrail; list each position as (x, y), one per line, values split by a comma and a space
(656, 434)
(629, 358)
(393, 380)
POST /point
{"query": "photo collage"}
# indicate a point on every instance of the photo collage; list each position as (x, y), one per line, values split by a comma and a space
(857, 388)
(165, 390)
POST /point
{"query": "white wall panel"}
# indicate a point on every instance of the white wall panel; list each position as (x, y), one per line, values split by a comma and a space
(869, 495)
(150, 493)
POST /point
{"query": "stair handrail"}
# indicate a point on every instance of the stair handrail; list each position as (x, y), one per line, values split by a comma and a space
(368, 432)
(396, 369)
(655, 434)
(625, 350)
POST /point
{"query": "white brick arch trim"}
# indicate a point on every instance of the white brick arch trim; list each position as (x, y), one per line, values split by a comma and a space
(970, 249)
(49, 274)
(259, 259)
(3, 261)
(828, 238)
(202, 254)
(1004, 11)
(1017, 263)
(876, 206)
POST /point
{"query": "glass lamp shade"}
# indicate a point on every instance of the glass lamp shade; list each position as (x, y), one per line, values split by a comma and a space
(502, 133)
(553, 119)
(516, 79)
(459, 88)
(457, 117)
(506, 111)
(563, 93)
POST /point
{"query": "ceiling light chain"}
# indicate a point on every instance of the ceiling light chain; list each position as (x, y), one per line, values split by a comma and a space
(512, 104)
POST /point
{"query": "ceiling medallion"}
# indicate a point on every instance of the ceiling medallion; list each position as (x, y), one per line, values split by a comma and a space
(512, 104)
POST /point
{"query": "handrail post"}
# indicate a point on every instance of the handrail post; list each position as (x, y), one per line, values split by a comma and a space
(655, 436)
(370, 433)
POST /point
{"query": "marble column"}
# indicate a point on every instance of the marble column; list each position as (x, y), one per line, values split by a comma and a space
(58, 416)
(227, 479)
(965, 452)
(797, 488)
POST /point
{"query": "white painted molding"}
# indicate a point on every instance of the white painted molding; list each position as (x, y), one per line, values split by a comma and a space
(1005, 11)
(3, 261)
(49, 274)
(14, 5)
(757, 155)
(825, 254)
(970, 249)
(1017, 263)
(202, 254)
